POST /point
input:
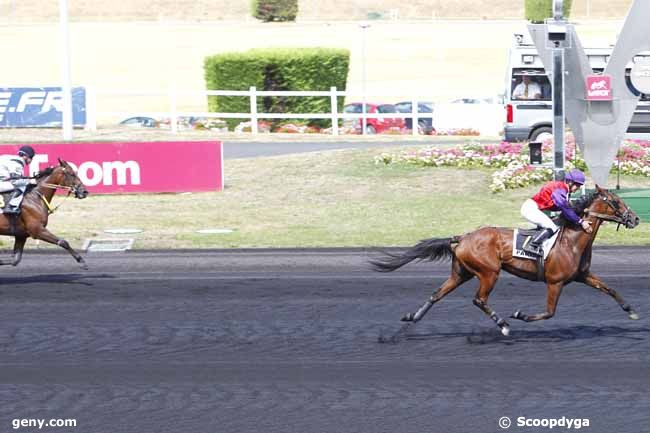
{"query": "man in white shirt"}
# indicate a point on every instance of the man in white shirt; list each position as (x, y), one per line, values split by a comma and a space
(527, 89)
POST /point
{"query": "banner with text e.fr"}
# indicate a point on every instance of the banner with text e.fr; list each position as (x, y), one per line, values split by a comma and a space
(131, 167)
(39, 107)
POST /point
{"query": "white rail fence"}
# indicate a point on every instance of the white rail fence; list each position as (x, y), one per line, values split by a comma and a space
(487, 119)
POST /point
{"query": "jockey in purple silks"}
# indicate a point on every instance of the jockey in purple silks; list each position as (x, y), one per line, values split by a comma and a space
(553, 196)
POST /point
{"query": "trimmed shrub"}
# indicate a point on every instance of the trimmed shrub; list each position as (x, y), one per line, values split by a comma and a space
(277, 69)
(274, 10)
(538, 10)
(232, 71)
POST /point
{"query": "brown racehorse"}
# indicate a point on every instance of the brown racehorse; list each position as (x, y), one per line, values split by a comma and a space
(35, 209)
(485, 252)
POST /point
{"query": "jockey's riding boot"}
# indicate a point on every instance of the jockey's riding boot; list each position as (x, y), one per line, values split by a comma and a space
(13, 207)
(535, 245)
(11, 210)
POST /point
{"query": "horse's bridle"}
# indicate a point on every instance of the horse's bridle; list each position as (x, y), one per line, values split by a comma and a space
(618, 217)
(71, 189)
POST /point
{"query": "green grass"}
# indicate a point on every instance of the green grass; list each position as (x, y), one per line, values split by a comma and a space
(325, 199)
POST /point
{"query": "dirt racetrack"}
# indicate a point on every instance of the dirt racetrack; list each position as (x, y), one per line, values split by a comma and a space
(287, 341)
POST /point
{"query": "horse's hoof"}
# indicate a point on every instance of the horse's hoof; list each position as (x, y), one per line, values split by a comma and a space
(634, 316)
(505, 331)
(516, 315)
(83, 266)
(407, 317)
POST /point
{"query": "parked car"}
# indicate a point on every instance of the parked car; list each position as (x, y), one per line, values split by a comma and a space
(424, 124)
(467, 101)
(495, 99)
(140, 121)
(373, 125)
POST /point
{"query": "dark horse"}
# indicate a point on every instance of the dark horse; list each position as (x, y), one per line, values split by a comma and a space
(36, 207)
(485, 252)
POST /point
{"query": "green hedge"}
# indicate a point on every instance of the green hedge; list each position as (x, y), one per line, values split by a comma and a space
(274, 10)
(294, 69)
(538, 10)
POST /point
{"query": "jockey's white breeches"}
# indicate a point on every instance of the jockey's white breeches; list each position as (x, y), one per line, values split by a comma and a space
(5, 186)
(531, 212)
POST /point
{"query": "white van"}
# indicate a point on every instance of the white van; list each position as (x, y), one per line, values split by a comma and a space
(532, 119)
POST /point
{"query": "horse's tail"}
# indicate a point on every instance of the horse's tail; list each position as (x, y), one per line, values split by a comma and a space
(428, 249)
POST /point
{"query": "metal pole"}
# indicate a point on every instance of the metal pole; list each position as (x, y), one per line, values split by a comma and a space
(66, 88)
(558, 112)
(558, 97)
(558, 10)
(364, 109)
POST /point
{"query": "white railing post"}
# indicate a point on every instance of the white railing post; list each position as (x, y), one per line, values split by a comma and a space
(253, 92)
(334, 110)
(173, 103)
(415, 123)
(67, 117)
(91, 109)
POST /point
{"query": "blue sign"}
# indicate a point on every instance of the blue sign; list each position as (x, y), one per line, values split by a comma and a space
(39, 106)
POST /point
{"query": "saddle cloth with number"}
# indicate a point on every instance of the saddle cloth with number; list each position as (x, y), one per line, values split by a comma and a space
(522, 236)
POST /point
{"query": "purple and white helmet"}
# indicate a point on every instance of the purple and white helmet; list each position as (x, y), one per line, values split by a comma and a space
(575, 176)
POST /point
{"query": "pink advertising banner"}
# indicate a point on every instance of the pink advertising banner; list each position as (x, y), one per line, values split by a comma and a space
(125, 167)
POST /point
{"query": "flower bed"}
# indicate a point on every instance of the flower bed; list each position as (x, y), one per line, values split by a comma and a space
(634, 158)
(512, 161)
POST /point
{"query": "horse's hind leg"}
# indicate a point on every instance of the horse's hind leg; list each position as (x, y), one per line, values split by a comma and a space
(552, 296)
(458, 276)
(486, 284)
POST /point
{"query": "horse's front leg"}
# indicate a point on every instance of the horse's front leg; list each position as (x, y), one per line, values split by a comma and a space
(552, 296)
(19, 244)
(47, 236)
(593, 281)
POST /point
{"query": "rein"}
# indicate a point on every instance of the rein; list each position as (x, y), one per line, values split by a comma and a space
(613, 218)
(606, 217)
(54, 186)
(51, 209)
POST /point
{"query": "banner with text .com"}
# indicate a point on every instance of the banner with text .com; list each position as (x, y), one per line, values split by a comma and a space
(39, 106)
(163, 166)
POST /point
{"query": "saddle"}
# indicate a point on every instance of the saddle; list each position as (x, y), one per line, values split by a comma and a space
(522, 237)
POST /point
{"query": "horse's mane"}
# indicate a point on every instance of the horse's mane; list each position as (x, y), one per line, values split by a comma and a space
(579, 206)
(40, 175)
(45, 172)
